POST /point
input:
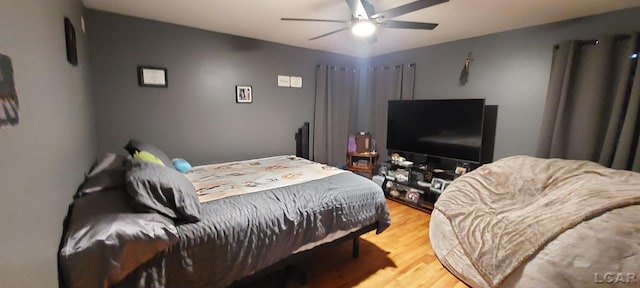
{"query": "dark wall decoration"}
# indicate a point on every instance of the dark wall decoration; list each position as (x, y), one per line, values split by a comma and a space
(8, 96)
(70, 36)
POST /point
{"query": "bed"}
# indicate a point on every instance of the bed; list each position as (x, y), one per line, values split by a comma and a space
(529, 222)
(252, 214)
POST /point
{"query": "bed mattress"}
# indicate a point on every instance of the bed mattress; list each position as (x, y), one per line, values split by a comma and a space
(240, 235)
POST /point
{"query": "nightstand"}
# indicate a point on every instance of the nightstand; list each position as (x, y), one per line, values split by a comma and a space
(362, 162)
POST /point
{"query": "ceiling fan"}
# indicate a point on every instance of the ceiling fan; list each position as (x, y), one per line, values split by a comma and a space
(364, 18)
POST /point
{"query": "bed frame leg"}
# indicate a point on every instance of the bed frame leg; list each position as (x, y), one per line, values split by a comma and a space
(356, 247)
(281, 278)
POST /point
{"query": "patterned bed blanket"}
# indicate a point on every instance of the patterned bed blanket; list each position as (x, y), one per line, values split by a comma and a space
(216, 181)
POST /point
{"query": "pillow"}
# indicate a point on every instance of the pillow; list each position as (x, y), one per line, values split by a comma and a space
(106, 239)
(147, 157)
(135, 145)
(110, 161)
(181, 165)
(164, 190)
(107, 172)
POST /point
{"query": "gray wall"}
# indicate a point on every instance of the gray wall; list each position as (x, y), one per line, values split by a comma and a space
(44, 157)
(196, 117)
(511, 69)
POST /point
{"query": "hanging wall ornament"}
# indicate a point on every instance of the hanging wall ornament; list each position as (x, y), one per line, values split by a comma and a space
(464, 75)
(8, 97)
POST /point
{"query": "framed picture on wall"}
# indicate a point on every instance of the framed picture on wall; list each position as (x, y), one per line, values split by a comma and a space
(244, 94)
(152, 76)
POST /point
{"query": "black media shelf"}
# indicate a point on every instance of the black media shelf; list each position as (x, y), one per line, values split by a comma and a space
(408, 191)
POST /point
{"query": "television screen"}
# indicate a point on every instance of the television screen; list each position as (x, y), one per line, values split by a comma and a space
(441, 128)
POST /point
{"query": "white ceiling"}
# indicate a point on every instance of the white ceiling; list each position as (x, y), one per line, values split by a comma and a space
(257, 19)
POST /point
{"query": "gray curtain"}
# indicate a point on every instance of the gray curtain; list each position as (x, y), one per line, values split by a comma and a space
(408, 81)
(335, 93)
(591, 112)
(384, 84)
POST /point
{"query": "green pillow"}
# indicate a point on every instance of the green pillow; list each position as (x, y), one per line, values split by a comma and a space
(147, 157)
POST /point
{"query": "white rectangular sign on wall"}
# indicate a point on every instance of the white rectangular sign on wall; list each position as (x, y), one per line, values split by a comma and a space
(283, 81)
(296, 82)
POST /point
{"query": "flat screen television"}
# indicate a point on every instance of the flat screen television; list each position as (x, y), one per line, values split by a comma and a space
(449, 128)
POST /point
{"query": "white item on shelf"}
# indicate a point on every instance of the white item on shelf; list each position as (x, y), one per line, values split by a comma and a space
(423, 184)
(416, 190)
(402, 178)
(405, 163)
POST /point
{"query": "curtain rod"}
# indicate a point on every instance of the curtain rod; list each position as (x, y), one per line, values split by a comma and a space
(596, 41)
(320, 66)
(385, 67)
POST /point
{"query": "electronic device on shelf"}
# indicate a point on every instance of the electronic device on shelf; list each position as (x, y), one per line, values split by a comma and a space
(438, 185)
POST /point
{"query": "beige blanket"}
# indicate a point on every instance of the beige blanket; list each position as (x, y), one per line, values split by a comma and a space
(504, 212)
(216, 181)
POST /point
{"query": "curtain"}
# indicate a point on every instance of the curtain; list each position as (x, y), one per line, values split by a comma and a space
(408, 80)
(591, 111)
(335, 93)
(384, 84)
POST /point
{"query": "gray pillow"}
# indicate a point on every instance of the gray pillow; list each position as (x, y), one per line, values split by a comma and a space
(106, 239)
(162, 189)
(136, 145)
(107, 172)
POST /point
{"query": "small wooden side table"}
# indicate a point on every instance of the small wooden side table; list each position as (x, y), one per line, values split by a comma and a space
(362, 162)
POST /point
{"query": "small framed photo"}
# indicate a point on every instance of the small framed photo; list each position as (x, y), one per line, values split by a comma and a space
(460, 170)
(244, 94)
(412, 196)
(152, 76)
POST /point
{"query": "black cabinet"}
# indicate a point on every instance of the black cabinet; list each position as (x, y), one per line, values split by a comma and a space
(418, 186)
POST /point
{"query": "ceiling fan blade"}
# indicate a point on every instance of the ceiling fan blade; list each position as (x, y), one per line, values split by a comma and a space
(360, 9)
(407, 8)
(330, 33)
(368, 8)
(316, 20)
(409, 25)
(354, 6)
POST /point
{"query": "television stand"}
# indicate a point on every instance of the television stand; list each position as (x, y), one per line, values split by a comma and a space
(418, 186)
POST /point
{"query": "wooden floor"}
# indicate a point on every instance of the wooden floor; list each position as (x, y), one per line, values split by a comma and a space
(399, 257)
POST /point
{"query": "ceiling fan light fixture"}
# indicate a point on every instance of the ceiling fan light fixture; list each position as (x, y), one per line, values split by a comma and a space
(363, 28)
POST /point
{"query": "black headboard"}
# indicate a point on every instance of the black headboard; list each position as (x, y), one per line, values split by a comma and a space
(302, 141)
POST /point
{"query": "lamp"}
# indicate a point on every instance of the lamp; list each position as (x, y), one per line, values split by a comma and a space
(363, 28)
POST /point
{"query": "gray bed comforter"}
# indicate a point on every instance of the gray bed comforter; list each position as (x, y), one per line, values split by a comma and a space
(240, 235)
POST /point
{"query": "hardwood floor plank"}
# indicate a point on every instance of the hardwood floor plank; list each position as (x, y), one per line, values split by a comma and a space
(399, 257)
